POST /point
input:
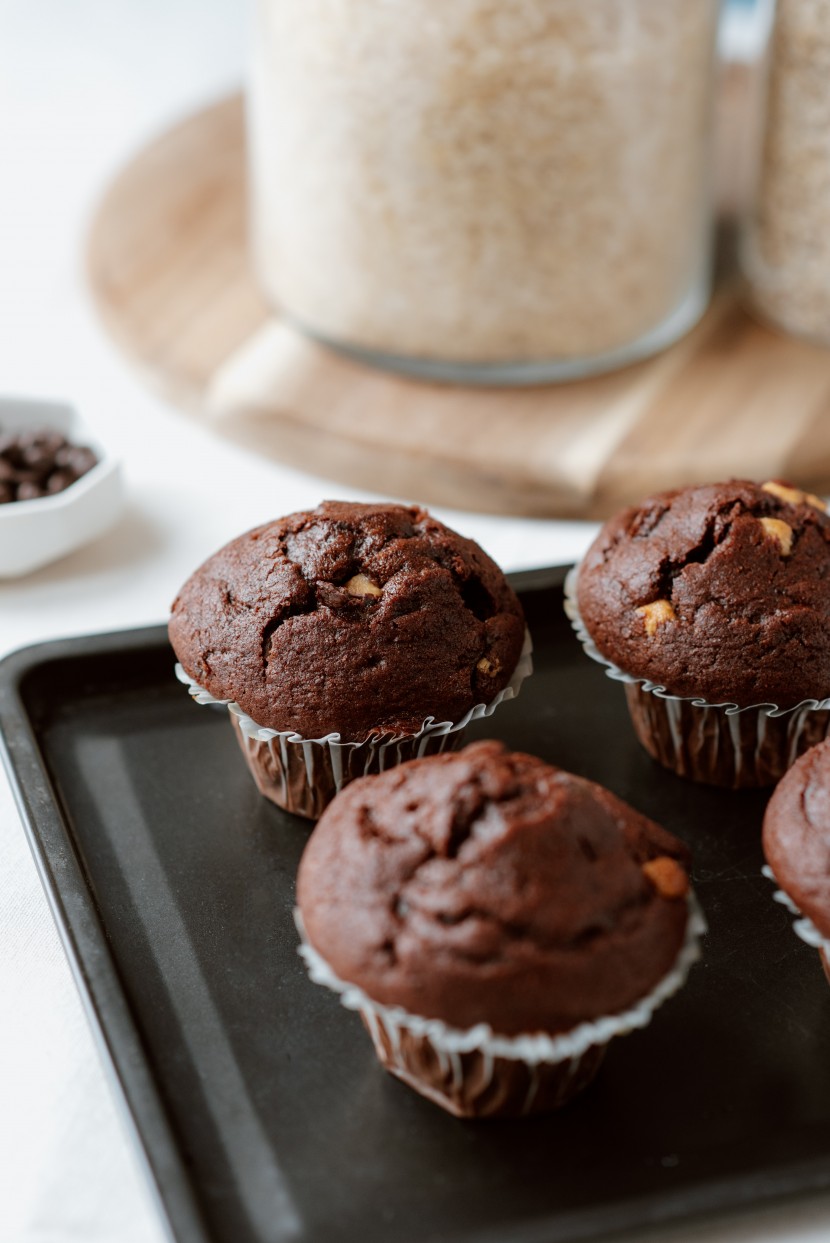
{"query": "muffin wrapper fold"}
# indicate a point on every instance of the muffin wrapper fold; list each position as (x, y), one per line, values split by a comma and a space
(718, 744)
(475, 1073)
(302, 775)
(802, 927)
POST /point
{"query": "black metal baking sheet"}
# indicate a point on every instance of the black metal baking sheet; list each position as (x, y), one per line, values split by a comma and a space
(258, 1100)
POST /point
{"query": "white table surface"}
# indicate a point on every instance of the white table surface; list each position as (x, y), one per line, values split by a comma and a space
(82, 84)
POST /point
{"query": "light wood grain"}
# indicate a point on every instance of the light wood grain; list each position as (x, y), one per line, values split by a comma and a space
(169, 270)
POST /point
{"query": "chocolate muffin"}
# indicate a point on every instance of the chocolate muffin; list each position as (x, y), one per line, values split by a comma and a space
(797, 842)
(486, 887)
(362, 621)
(720, 593)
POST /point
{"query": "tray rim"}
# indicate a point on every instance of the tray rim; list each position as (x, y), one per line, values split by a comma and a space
(82, 934)
(126, 1064)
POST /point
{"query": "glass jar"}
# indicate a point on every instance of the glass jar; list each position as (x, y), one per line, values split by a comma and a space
(485, 190)
(785, 250)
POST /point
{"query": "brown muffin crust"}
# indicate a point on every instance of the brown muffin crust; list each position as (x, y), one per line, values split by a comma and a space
(359, 619)
(720, 591)
(797, 835)
(487, 886)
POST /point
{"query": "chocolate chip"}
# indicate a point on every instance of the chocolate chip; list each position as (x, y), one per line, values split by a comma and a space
(29, 491)
(40, 438)
(37, 458)
(6, 494)
(59, 481)
(77, 458)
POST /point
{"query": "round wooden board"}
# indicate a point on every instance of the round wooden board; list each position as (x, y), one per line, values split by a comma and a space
(169, 270)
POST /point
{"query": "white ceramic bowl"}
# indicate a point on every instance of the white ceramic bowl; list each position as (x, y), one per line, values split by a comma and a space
(33, 533)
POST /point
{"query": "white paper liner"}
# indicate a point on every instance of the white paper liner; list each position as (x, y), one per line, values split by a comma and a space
(384, 749)
(532, 1049)
(619, 675)
(803, 927)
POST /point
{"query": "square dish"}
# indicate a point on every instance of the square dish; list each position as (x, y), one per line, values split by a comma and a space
(34, 533)
(261, 1109)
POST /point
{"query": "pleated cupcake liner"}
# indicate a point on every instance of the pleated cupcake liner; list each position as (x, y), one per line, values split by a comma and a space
(478, 1073)
(802, 926)
(303, 775)
(720, 744)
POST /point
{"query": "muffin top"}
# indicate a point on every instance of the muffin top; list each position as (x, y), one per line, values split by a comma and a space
(487, 886)
(797, 835)
(720, 591)
(357, 619)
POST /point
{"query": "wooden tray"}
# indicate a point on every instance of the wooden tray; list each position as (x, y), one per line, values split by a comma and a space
(169, 271)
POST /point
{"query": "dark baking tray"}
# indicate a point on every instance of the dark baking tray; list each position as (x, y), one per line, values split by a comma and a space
(258, 1101)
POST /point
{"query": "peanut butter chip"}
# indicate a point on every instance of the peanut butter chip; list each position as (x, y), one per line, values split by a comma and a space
(781, 532)
(667, 877)
(489, 667)
(794, 496)
(360, 585)
(656, 614)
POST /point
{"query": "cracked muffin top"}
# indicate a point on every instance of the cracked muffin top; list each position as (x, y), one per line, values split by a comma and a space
(720, 591)
(487, 886)
(357, 619)
(797, 835)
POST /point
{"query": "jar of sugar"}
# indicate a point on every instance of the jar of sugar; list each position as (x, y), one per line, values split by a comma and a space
(485, 190)
(785, 248)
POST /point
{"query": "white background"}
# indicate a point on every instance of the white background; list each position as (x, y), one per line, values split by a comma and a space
(82, 84)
